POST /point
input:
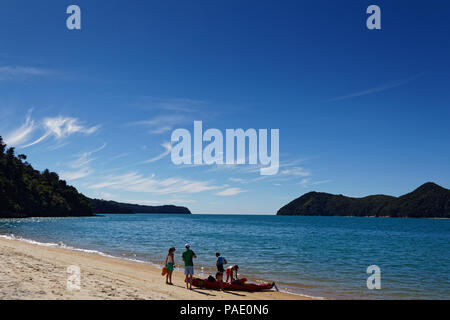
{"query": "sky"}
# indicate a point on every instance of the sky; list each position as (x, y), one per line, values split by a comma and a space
(359, 111)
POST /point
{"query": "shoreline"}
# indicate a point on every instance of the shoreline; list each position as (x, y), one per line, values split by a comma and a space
(30, 270)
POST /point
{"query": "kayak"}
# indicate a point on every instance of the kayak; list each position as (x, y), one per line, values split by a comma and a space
(240, 285)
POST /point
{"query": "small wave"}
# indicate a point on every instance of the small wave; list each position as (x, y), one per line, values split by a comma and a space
(301, 294)
(64, 246)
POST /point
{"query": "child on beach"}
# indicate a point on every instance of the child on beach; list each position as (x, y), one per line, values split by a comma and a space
(170, 264)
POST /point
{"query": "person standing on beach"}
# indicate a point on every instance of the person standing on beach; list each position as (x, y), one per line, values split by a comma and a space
(220, 270)
(220, 262)
(170, 264)
(188, 256)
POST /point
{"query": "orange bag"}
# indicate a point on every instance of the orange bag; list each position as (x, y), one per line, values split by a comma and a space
(164, 271)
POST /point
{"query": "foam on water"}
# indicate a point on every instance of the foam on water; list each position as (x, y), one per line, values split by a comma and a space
(67, 247)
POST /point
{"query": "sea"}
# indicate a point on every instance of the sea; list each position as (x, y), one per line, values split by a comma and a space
(321, 257)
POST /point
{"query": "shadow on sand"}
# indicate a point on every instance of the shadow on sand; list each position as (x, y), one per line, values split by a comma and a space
(205, 293)
(234, 293)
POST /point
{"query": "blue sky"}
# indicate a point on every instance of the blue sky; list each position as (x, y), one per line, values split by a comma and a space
(360, 112)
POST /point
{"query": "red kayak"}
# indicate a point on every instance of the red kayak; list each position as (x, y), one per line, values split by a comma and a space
(239, 285)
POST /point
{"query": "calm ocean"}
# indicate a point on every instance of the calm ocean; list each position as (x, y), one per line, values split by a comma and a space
(316, 256)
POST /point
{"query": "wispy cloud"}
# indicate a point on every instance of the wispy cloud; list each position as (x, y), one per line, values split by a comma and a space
(61, 127)
(161, 124)
(304, 182)
(21, 134)
(165, 145)
(295, 171)
(120, 155)
(289, 170)
(76, 174)
(9, 73)
(322, 181)
(381, 88)
(173, 104)
(135, 182)
(85, 158)
(81, 166)
(172, 113)
(308, 182)
(229, 192)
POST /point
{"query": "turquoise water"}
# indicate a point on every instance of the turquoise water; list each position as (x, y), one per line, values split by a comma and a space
(316, 256)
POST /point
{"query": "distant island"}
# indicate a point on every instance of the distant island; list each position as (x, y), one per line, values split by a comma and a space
(26, 192)
(428, 201)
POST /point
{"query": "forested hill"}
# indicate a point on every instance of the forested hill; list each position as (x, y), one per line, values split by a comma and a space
(427, 201)
(104, 206)
(25, 192)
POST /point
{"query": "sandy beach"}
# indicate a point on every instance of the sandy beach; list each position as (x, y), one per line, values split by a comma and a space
(31, 271)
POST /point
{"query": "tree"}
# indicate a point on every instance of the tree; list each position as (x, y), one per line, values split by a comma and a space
(10, 153)
(2, 146)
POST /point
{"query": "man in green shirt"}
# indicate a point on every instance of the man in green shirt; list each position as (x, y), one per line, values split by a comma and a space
(188, 256)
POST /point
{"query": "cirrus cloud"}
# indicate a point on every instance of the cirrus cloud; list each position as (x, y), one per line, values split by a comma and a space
(229, 192)
(80, 167)
(21, 134)
(58, 127)
(19, 73)
(135, 182)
